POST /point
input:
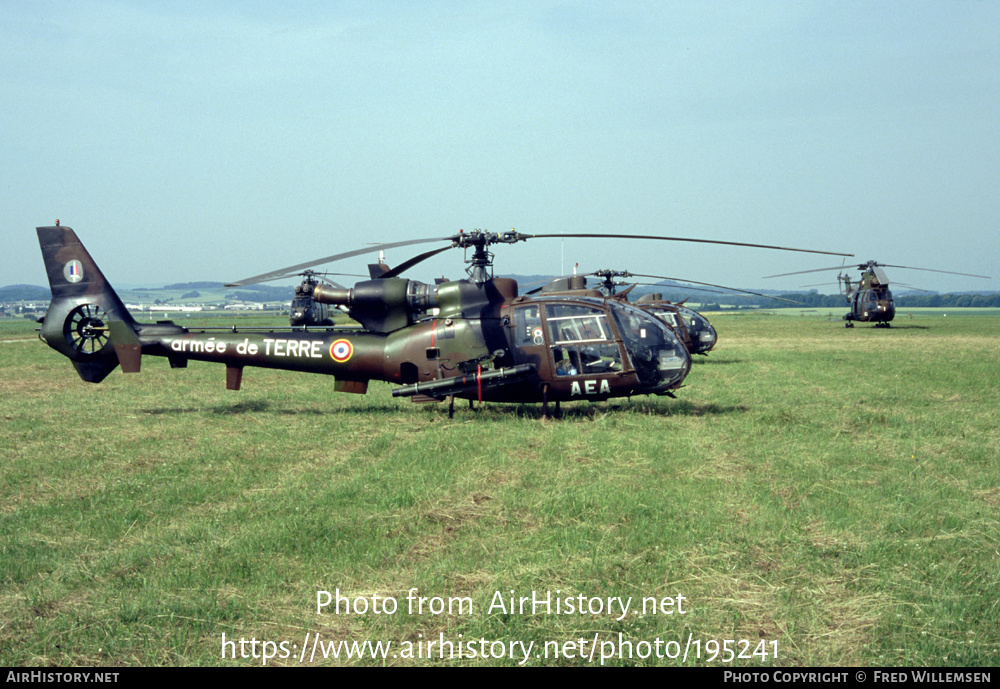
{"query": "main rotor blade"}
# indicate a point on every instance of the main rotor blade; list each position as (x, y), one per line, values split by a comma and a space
(802, 272)
(691, 285)
(406, 265)
(681, 239)
(295, 275)
(330, 259)
(513, 236)
(709, 284)
(678, 287)
(874, 264)
(900, 284)
(682, 288)
(932, 270)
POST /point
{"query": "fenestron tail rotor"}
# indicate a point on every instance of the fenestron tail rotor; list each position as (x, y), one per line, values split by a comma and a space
(86, 329)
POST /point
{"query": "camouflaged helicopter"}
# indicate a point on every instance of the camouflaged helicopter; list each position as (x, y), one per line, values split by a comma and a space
(694, 330)
(475, 338)
(870, 298)
(304, 310)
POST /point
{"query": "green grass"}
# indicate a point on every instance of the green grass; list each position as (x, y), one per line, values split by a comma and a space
(830, 491)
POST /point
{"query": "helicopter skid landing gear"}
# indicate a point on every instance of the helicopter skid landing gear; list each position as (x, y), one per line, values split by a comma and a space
(451, 406)
(545, 406)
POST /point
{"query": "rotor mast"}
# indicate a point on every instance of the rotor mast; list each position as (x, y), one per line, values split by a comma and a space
(480, 268)
(608, 278)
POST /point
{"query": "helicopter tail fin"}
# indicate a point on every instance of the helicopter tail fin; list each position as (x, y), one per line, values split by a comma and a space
(86, 321)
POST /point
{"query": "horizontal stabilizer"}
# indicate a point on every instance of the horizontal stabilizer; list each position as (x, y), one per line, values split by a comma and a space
(127, 346)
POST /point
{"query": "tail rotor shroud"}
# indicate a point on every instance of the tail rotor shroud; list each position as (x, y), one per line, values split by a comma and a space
(86, 330)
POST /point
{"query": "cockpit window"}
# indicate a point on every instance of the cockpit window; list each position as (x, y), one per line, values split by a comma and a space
(582, 341)
(528, 326)
(667, 316)
(572, 323)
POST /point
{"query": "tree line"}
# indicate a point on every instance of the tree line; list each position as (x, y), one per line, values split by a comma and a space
(815, 300)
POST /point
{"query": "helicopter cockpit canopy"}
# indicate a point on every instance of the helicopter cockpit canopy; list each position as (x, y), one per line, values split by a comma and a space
(877, 295)
(698, 327)
(584, 335)
(659, 357)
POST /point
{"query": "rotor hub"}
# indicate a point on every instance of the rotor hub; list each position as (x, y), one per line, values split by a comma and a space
(481, 264)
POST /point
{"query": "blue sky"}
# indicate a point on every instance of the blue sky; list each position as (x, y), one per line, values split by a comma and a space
(213, 141)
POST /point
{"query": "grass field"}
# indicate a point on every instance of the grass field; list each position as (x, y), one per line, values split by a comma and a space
(824, 495)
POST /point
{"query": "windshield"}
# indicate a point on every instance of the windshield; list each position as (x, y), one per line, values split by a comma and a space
(659, 358)
(699, 327)
(582, 340)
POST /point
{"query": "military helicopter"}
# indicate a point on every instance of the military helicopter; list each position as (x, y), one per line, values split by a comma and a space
(475, 338)
(695, 331)
(869, 297)
(304, 310)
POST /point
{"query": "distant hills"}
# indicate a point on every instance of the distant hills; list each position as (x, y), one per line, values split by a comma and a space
(195, 285)
(206, 292)
(25, 293)
(196, 292)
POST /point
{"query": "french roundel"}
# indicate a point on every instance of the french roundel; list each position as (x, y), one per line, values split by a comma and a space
(73, 271)
(341, 350)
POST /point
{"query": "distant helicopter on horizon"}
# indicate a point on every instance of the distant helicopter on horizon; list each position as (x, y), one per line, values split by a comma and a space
(869, 297)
